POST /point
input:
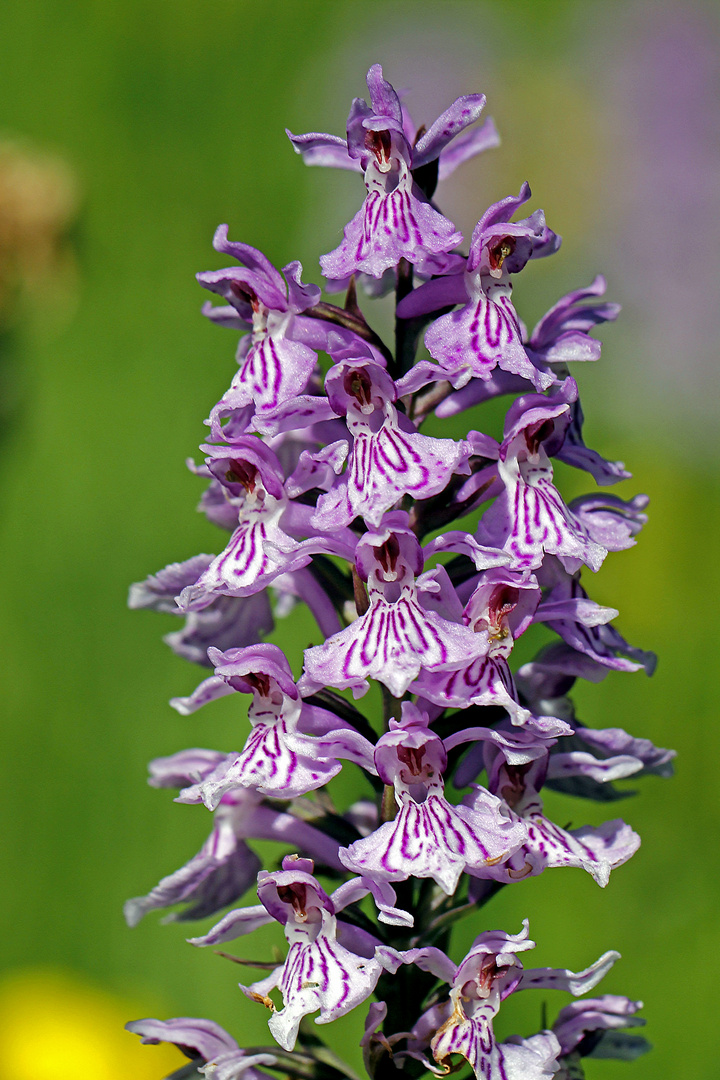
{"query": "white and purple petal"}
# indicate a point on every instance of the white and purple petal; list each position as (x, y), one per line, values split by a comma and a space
(434, 839)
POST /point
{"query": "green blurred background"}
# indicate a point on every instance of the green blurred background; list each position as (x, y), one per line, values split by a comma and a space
(169, 119)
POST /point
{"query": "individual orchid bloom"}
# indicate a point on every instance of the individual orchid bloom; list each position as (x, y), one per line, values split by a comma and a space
(583, 766)
(449, 140)
(596, 850)
(500, 609)
(275, 363)
(490, 972)
(562, 336)
(584, 625)
(429, 837)
(573, 450)
(396, 220)
(215, 1053)
(607, 743)
(319, 972)
(485, 331)
(399, 634)
(260, 549)
(609, 520)
(389, 458)
(520, 746)
(225, 867)
(279, 759)
(227, 621)
(596, 1027)
(530, 519)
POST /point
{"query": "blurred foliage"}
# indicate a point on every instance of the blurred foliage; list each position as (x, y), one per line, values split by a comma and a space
(171, 117)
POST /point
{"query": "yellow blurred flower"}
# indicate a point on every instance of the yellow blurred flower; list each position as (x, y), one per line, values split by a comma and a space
(56, 1026)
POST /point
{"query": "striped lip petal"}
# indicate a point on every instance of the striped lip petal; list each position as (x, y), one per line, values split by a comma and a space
(318, 973)
(385, 462)
(474, 1039)
(270, 763)
(393, 223)
(434, 840)
(390, 643)
(487, 680)
(322, 976)
(530, 519)
(484, 334)
(258, 552)
(429, 838)
(274, 371)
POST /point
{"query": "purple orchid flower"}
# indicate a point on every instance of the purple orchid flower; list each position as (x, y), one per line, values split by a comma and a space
(399, 634)
(448, 141)
(596, 1027)
(489, 974)
(389, 458)
(276, 361)
(319, 972)
(609, 742)
(499, 610)
(429, 838)
(216, 1053)
(562, 336)
(596, 850)
(609, 520)
(485, 332)
(585, 625)
(279, 759)
(396, 220)
(261, 548)
(530, 518)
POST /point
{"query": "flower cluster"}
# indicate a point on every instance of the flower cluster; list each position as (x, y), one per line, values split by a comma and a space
(422, 559)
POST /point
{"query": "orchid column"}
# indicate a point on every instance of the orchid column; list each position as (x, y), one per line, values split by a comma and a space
(422, 560)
